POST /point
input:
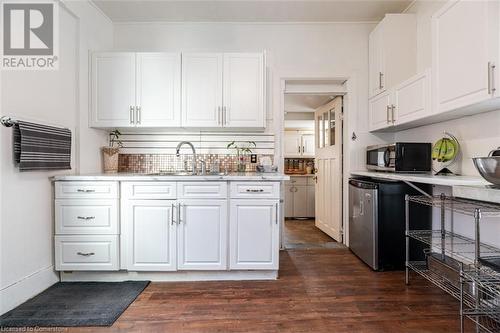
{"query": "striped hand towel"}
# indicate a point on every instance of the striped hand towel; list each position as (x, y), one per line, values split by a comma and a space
(40, 147)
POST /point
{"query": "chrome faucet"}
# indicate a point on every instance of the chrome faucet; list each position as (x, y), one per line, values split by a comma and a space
(177, 153)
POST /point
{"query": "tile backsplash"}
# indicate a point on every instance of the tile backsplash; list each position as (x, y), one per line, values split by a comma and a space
(153, 163)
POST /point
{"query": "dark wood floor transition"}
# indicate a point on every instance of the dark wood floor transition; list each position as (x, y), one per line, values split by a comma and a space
(319, 290)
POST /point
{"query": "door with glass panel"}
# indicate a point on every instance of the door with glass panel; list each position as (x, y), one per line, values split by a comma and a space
(328, 162)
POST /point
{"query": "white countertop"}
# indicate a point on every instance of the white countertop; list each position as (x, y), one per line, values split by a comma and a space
(487, 193)
(425, 178)
(303, 175)
(245, 176)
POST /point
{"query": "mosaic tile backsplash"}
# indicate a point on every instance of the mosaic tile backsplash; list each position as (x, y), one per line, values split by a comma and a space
(154, 163)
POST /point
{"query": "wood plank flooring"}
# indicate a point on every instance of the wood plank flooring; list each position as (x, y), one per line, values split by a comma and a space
(319, 290)
(304, 232)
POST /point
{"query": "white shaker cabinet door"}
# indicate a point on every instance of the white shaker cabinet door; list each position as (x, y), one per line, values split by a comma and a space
(113, 89)
(292, 144)
(202, 234)
(158, 90)
(202, 89)
(254, 234)
(308, 145)
(380, 112)
(412, 99)
(465, 44)
(149, 235)
(244, 104)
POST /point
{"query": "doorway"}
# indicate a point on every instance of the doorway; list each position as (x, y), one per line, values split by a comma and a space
(312, 156)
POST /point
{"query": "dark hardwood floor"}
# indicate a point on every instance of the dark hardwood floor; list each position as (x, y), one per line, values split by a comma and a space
(300, 232)
(319, 290)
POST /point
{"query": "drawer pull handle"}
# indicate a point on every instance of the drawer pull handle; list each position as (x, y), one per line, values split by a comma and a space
(255, 191)
(88, 254)
(86, 218)
(85, 191)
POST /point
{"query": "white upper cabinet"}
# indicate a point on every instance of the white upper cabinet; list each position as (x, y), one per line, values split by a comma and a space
(113, 89)
(202, 89)
(223, 90)
(158, 96)
(392, 52)
(465, 49)
(135, 89)
(412, 99)
(380, 111)
(299, 144)
(243, 90)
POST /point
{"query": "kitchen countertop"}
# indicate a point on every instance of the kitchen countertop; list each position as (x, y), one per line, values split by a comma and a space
(304, 175)
(247, 176)
(487, 193)
(425, 178)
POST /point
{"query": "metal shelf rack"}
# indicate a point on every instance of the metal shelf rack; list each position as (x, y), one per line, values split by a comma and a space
(479, 288)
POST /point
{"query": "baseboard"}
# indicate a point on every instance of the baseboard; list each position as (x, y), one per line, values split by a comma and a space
(24, 289)
(169, 276)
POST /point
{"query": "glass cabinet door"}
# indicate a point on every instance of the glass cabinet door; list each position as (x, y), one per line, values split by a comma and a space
(332, 127)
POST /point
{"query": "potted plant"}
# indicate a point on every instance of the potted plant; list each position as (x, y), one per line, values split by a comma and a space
(239, 153)
(111, 152)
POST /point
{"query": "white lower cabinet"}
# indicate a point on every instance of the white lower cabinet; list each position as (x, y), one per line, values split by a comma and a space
(149, 235)
(202, 234)
(254, 234)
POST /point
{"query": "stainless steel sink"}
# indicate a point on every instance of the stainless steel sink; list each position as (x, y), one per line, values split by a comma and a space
(489, 168)
(183, 173)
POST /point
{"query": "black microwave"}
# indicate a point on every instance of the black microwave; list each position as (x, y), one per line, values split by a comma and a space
(412, 157)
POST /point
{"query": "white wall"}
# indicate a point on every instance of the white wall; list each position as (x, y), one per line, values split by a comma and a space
(477, 134)
(50, 97)
(326, 50)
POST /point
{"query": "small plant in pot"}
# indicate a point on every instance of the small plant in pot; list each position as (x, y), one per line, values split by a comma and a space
(240, 152)
(111, 152)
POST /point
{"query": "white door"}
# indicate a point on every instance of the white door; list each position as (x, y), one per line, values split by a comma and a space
(328, 163)
(202, 234)
(150, 230)
(158, 89)
(113, 89)
(254, 234)
(292, 144)
(202, 89)
(412, 99)
(244, 104)
(308, 145)
(465, 40)
(380, 112)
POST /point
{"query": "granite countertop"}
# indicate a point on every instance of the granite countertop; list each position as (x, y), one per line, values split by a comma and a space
(249, 176)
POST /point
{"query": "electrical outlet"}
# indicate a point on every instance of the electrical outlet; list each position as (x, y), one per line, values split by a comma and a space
(253, 158)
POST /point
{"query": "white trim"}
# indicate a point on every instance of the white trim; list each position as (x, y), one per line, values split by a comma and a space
(413, 3)
(20, 291)
(170, 276)
(98, 9)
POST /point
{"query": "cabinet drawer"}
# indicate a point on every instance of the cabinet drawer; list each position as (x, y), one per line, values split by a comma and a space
(255, 190)
(86, 190)
(149, 190)
(86, 253)
(86, 216)
(197, 190)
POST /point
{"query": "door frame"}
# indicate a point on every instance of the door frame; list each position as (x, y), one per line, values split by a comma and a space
(348, 89)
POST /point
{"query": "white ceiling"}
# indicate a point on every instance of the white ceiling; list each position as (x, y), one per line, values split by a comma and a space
(305, 102)
(250, 10)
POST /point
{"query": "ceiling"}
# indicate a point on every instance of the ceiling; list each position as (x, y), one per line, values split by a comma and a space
(305, 102)
(249, 10)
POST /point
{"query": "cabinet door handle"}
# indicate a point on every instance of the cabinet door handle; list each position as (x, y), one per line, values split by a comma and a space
(224, 116)
(276, 207)
(85, 254)
(380, 75)
(388, 107)
(85, 191)
(491, 83)
(131, 115)
(254, 191)
(172, 219)
(86, 218)
(139, 115)
(393, 107)
(219, 116)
